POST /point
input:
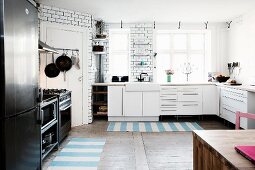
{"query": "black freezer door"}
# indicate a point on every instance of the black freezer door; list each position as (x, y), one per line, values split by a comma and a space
(22, 142)
(21, 62)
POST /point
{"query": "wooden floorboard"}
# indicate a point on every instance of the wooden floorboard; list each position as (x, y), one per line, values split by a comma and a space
(138, 151)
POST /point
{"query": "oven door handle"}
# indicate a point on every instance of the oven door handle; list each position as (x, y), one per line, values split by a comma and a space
(62, 109)
(42, 116)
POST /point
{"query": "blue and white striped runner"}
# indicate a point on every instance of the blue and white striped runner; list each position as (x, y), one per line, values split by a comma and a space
(152, 126)
(79, 154)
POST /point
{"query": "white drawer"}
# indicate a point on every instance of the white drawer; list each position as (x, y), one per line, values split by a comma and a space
(172, 97)
(190, 96)
(189, 89)
(231, 91)
(168, 111)
(228, 114)
(241, 104)
(190, 108)
(168, 103)
(168, 89)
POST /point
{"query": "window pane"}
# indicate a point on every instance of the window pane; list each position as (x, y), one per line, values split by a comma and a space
(118, 64)
(178, 64)
(119, 42)
(197, 61)
(163, 42)
(163, 63)
(180, 42)
(196, 41)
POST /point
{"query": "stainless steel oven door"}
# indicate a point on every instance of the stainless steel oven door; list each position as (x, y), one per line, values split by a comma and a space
(48, 112)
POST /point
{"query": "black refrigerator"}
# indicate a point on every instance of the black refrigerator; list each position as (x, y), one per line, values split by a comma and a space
(19, 66)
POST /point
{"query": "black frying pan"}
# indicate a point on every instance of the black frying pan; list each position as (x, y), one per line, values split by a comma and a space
(51, 69)
(64, 63)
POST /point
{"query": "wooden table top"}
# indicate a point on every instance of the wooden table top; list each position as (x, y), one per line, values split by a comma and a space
(224, 141)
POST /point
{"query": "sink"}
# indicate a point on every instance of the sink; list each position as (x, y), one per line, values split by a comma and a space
(142, 86)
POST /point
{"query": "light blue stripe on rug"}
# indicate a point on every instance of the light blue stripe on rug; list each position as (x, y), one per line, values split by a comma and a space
(173, 127)
(87, 140)
(197, 126)
(74, 163)
(80, 158)
(160, 127)
(148, 127)
(69, 146)
(123, 126)
(136, 127)
(184, 125)
(111, 126)
(80, 154)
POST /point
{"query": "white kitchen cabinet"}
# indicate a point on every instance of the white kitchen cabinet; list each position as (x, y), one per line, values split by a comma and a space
(150, 103)
(115, 100)
(133, 104)
(210, 100)
(233, 100)
(180, 100)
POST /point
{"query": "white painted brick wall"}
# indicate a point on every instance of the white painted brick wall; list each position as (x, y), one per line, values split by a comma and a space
(139, 34)
(69, 17)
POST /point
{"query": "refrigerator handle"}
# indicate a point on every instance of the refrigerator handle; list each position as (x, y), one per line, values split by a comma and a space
(40, 117)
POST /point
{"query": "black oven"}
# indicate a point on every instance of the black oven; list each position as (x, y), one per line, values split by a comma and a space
(65, 108)
(49, 112)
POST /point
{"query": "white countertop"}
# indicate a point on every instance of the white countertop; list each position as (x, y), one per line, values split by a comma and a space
(241, 87)
(162, 84)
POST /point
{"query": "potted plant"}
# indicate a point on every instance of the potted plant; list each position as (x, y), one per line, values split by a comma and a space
(169, 74)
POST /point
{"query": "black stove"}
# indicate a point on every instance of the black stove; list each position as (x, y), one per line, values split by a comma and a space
(59, 92)
(64, 100)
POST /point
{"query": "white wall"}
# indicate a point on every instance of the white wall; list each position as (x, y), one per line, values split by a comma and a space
(241, 46)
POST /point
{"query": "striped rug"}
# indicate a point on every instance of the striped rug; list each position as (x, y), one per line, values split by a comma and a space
(152, 126)
(79, 154)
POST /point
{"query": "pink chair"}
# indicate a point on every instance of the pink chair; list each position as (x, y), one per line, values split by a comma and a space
(246, 115)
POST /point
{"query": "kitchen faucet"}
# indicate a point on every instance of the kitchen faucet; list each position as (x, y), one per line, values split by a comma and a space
(141, 78)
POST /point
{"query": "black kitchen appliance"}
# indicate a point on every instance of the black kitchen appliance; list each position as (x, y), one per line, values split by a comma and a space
(49, 122)
(65, 108)
(19, 116)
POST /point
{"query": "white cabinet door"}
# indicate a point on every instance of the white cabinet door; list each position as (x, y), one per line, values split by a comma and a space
(115, 99)
(132, 104)
(210, 100)
(151, 104)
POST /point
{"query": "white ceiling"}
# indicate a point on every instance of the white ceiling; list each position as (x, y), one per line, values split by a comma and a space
(131, 11)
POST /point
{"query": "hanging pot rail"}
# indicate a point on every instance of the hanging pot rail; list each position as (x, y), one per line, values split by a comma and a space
(67, 49)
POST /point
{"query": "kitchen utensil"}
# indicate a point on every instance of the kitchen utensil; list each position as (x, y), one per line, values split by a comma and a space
(77, 64)
(73, 58)
(51, 69)
(48, 138)
(64, 63)
(222, 79)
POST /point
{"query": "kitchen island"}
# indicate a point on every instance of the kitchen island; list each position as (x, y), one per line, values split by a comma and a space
(214, 149)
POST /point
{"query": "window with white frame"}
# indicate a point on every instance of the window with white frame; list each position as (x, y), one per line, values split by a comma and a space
(119, 52)
(177, 49)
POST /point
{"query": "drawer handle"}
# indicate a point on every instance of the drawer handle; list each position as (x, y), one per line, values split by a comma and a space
(168, 110)
(233, 99)
(169, 105)
(190, 105)
(190, 94)
(228, 110)
(168, 99)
